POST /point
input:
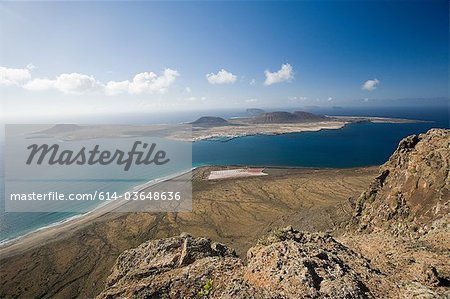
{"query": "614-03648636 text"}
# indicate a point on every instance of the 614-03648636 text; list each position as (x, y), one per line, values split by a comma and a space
(97, 195)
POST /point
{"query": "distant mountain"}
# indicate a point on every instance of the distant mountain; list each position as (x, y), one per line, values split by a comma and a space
(210, 121)
(287, 117)
(254, 111)
(302, 115)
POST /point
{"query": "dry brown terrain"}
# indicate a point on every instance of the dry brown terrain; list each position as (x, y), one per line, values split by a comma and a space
(75, 262)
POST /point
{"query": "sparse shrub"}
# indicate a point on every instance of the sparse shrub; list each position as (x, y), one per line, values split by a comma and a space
(206, 289)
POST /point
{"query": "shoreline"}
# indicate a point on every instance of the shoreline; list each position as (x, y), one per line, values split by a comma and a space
(66, 227)
(250, 134)
(101, 209)
(317, 128)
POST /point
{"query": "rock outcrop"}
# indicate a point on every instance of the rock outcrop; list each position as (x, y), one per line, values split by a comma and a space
(285, 264)
(412, 193)
(401, 222)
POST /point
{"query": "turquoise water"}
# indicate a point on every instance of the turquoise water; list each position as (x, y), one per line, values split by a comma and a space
(363, 144)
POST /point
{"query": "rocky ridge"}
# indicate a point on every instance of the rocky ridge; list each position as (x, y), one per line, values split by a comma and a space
(285, 264)
(411, 195)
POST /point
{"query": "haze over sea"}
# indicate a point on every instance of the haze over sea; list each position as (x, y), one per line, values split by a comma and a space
(356, 145)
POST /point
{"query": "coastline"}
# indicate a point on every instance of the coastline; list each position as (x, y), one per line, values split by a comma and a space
(104, 206)
(192, 133)
(66, 227)
(100, 210)
(295, 129)
(300, 128)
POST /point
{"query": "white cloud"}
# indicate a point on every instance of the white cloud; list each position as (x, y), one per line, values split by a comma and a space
(222, 77)
(142, 83)
(251, 100)
(10, 76)
(330, 99)
(73, 83)
(370, 85)
(149, 82)
(188, 89)
(39, 84)
(253, 82)
(286, 73)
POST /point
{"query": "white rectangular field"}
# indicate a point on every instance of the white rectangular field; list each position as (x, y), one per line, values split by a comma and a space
(235, 173)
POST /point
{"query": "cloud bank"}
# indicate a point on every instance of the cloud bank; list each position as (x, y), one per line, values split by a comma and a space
(75, 83)
(286, 73)
(222, 77)
(144, 83)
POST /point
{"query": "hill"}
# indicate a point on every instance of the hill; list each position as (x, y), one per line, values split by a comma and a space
(210, 121)
(287, 117)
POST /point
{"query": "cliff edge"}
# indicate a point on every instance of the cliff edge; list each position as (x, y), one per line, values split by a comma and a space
(411, 195)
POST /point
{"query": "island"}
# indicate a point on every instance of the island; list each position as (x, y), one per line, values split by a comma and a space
(214, 127)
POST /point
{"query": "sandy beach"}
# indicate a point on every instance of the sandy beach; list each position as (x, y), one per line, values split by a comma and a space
(58, 229)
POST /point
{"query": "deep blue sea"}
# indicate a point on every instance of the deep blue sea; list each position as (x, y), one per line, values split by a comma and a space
(362, 144)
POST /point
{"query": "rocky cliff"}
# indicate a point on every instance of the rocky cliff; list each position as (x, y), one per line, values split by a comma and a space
(411, 195)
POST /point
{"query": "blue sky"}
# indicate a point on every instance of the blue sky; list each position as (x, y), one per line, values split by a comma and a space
(334, 53)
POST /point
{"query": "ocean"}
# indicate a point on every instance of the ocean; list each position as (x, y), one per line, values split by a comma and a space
(356, 145)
